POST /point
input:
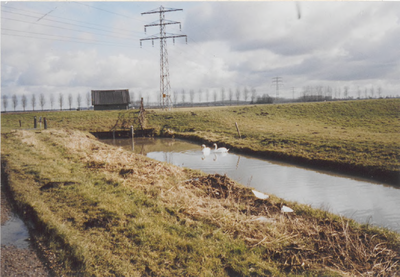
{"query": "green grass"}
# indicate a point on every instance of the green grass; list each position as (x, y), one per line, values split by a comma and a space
(112, 212)
(359, 133)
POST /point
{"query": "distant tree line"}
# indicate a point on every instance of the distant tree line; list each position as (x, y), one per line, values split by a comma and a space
(31, 102)
(201, 97)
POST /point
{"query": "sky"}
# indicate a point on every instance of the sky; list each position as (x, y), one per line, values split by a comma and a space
(71, 48)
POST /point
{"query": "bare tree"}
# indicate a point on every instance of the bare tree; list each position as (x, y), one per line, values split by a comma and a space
(222, 95)
(5, 102)
(24, 101)
(175, 97)
(207, 94)
(79, 100)
(380, 92)
(88, 99)
(200, 95)
(42, 100)
(237, 95)
(33, 101)
(215, 96)
(15, 101)
(69, 100)
(183, 97)
(246, 94)
(60, 100)
(132, 98)
(191, 95)
(372, 92)
(230, 94)
(51, 100)
(253, 95)
(346, 92)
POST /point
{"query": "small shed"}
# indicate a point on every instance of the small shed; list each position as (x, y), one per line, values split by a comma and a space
(110, 99)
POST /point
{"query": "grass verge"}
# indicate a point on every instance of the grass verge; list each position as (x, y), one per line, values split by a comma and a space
(354, 137)
(106, 211)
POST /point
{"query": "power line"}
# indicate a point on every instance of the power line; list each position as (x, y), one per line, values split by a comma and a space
(75, 40)
(104, 10)
(60, 17)
(57, 21)
(58, 27)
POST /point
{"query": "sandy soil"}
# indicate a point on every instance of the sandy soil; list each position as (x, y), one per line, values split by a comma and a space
(16, 261)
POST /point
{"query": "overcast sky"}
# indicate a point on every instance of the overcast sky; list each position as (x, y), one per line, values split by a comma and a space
(74, 47)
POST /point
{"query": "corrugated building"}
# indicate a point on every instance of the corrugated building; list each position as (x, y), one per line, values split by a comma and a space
(110, 99)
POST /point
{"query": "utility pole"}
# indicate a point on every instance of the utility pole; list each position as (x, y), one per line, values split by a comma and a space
(278, 82)
(165, 87)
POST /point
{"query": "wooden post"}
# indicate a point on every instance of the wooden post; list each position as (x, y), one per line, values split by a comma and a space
(20, 123)
(44, 123)
(34, 122)
(237, 128)
(132, 135)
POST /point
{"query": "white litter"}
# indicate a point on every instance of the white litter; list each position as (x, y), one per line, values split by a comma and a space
(286, 209)
(260, 195)
(264, 219)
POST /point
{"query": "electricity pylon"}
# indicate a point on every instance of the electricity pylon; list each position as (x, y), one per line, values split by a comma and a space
(278, 82)
(165, 87)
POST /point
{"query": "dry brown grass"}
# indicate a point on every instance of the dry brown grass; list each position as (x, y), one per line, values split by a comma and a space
(306, 241)
(296, 240)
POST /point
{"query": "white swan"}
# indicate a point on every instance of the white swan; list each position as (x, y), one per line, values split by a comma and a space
(205, 150)
(221, 149)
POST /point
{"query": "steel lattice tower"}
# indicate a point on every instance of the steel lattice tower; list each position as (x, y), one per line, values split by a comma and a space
(278, 83)
(165, 87)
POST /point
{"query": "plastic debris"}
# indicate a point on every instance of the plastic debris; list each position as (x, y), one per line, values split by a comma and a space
(264, 219)
(286, 209)
(260, 195)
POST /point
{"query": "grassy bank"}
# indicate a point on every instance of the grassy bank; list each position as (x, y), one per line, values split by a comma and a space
(106, 211)
(355, 137)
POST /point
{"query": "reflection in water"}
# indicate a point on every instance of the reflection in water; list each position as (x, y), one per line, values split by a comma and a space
(361, 200)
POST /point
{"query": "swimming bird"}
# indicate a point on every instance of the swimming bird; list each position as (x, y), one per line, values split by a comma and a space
(221, 149)
(205, 150)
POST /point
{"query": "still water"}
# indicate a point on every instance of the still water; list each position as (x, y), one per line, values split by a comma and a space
(359, 199)
(14, 232)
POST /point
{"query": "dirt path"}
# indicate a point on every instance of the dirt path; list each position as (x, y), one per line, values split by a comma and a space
(19, 261)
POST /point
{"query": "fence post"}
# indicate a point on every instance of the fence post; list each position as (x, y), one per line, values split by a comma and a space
(132, 135)
(34, 122)
(44, 123)
(237, 128)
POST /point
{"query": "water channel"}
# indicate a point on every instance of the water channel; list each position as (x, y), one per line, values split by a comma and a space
(359, 199)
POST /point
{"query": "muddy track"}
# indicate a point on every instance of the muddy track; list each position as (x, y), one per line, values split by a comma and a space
(36, 260)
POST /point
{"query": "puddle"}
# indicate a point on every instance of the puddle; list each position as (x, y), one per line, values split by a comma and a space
(14, 232)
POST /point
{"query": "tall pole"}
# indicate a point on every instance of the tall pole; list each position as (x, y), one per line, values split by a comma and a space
(278, 82)
(165, 87)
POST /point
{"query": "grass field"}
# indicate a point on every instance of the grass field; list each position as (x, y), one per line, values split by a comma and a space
(355, 137)
(105, 211)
